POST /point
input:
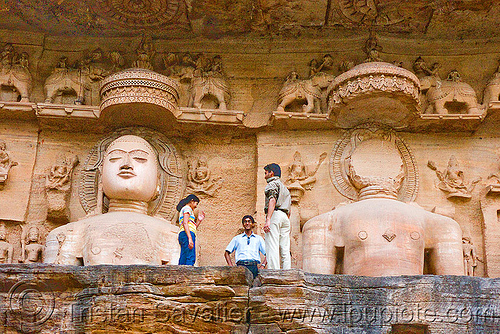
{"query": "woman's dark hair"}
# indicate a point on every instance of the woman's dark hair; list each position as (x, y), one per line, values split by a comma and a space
(183, 202)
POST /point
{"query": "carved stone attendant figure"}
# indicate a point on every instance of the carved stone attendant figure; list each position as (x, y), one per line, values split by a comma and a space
(6, 249)
(31, 250)
(125, 234)
(381, 236)
(6, 163)
(470, 256)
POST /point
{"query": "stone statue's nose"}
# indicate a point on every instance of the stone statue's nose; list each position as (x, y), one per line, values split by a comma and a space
(126, 164)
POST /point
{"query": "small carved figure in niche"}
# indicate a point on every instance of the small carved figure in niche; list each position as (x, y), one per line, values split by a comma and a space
(145, 53)
(450, 96)
(451, 180)
(372, 48)
(470, 256)
(494, 183)
(310, 91)
(6, 163)
(95, 65)
(60, 173)
(31, 249)
(199, 181)
(492, 90)
(208, 82)
(297, 172)
(14, 72)
(6, 249)
(58, 186)
(23, 61)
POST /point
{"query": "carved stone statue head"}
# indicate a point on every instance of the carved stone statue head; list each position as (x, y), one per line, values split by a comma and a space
(33, 234)
(454, 76)
(130, 170)
(132, 164)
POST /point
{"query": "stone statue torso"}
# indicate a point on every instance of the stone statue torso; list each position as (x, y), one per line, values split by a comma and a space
(114, 238)
(382, 242)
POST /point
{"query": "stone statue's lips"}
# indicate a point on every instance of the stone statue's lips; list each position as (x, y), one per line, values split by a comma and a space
(126, 174)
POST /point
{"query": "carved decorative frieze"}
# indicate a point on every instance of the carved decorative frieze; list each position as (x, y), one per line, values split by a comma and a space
(452, 180)
(374, 91)
(346, 147)
(15, 73)
(139, 86)
(6, 163)
(309, 92)
(200, 180)
(170, 183)
(58, 187)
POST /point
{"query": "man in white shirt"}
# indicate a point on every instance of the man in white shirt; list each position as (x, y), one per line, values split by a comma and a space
(248, 247)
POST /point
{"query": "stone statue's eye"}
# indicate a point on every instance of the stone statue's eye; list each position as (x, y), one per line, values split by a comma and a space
(114, 159)
(140, 159)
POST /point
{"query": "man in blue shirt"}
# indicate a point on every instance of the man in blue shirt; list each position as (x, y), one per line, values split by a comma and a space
(248, 247)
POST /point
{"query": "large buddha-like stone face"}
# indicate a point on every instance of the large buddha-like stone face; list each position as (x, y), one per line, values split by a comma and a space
(130, 170)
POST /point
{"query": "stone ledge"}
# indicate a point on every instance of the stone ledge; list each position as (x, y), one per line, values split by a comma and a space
(145, 299)
(300, 301)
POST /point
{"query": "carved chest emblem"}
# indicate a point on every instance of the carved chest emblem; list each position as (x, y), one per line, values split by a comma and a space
(389, 235)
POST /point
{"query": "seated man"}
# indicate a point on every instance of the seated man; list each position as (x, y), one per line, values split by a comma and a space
(247, 246)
